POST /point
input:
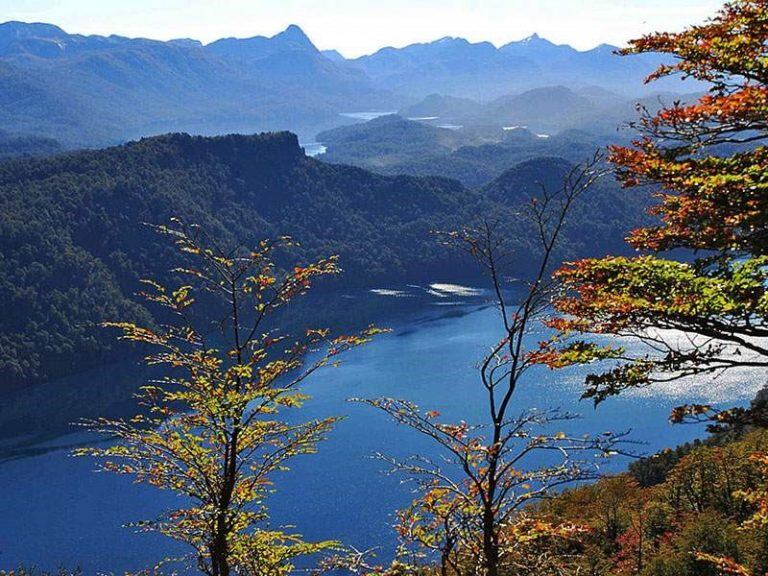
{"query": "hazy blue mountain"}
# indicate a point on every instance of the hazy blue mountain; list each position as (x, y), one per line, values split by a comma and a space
(92, 90)
(546, 110)
(89, 91)
(451, 66)
(457, 67)
(539, 50)
(448, 108)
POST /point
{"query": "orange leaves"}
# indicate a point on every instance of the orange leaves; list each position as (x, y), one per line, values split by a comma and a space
(708, 203)
(455, 431)
(714, 202)
(680, 413)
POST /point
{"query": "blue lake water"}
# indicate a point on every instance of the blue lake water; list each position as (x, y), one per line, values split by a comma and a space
(366, 116)
(56, 511)
(313, 148)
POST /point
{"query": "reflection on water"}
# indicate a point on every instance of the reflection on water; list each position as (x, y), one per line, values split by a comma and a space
(35, 419)
(56, 510)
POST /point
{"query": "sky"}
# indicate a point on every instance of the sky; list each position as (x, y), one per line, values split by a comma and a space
(356, 27)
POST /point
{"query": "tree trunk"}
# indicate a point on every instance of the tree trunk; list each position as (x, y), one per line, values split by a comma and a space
(220, 548)
(490, 547)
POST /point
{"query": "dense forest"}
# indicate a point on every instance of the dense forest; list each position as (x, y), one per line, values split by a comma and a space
(74, 246)
(692, 508)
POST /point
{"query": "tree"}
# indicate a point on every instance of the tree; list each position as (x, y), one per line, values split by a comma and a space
(708, 162)
(210, 430)
(469, 512)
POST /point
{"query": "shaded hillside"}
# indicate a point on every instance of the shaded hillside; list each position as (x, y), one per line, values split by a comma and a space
(73, 247)
(23, 146)
(597, 223)
(386, 141)
(472, 155)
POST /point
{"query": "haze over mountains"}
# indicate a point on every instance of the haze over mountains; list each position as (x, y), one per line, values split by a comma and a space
(454, 66)
(96, 90)
(474, 155)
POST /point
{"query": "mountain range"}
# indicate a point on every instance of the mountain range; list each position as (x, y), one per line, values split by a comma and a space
(88, 91)
(546, 109)
(457, 67)
(95, 90)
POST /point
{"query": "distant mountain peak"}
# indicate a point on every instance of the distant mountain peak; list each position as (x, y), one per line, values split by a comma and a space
(186, 42)
(30, 28)
(295, 35)
(604, 49)
(534, 40)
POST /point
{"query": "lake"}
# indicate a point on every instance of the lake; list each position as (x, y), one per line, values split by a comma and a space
(313, 148)
(56, 511)
(366, 116)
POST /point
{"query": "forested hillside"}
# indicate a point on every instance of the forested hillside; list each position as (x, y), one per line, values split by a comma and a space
(473, 155)
(15, 146)
(73, 247)
(389, 141)
(697, 506)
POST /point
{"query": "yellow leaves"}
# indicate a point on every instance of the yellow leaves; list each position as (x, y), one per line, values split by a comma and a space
(160, 289)
(134, 333)
(292, 400)
(320, 333)
(219, 406)
(239, 371)
(181, 297)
